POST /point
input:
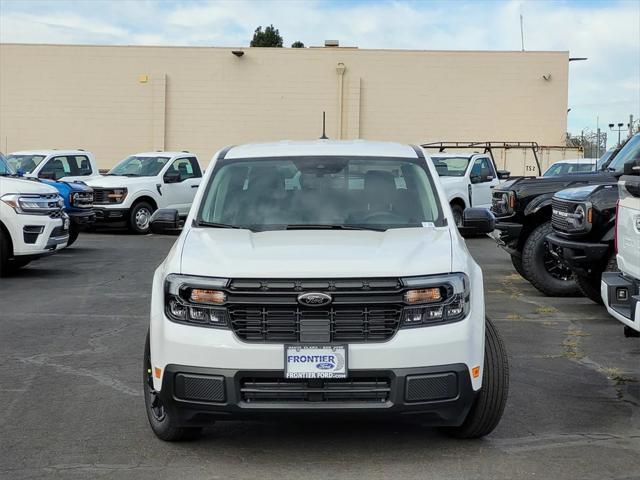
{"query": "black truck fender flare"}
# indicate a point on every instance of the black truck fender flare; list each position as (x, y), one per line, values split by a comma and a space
(610, 235)
(538, 204)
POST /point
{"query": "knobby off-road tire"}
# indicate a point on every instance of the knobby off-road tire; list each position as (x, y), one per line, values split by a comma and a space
(160, 420)
(590, 285)
(487, 408)
(542, 270)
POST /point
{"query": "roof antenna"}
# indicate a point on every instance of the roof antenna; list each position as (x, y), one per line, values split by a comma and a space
(324, 135)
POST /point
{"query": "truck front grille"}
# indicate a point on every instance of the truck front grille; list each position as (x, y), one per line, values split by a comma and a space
(100, 196)
(559, 221)
(360, 311)
(275, 390)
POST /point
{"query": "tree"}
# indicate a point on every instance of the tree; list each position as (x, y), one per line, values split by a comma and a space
(270, 37)
(593, 145)
(297, 44)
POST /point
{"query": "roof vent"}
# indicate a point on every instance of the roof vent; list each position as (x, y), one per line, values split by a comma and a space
(331, 43)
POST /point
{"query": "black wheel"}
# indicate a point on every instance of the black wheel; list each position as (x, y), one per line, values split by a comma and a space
(139, 217)
(458, 212)
(74, 231)
(545, 271)
(516, 260)
(590, 285)
(487, 408)
(159, 417)
(5, 253)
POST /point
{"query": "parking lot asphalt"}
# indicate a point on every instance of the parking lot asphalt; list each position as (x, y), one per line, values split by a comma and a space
(72, 330)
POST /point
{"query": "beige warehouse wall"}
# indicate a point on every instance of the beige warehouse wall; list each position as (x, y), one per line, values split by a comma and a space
(119, 100)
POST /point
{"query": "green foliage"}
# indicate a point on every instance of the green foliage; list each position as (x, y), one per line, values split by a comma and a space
(270, 37)
(297, 44)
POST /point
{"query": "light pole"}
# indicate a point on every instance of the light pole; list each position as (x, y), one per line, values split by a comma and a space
(619, 129)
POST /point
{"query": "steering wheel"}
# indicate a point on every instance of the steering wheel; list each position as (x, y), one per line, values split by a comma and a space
(383, 217)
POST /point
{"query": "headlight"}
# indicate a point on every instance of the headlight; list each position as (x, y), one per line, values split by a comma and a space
(33, 204)
(81, 199)
(504, 204)
(581, 218)
(196, 300)
(117, 195)
(435, 300)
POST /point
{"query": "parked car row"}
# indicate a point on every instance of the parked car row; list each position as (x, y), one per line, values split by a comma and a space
(562, 231)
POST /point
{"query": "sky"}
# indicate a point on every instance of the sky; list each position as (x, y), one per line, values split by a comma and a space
(603, 89)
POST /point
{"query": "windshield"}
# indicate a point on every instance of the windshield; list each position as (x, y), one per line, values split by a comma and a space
(604, 158)
(565, 168)
(26, 163)
(320, 192)
(451, 166)
(629, 153)
(5, 169)
(136, 166)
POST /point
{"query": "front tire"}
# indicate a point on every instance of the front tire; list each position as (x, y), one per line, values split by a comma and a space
(458, 213)
(487, 408)
(590, 285)
(160, 419)
(74, 231)
(139, 217)
(516, 261)
(545, 272)
(5, 253)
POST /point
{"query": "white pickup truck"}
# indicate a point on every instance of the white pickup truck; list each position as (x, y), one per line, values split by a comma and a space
(66, 165)
(467, 179)
(32, 220)
(621, 290)
(140, 184)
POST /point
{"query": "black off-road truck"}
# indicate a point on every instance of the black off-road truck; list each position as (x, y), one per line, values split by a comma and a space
(584, 222)
(523, 211)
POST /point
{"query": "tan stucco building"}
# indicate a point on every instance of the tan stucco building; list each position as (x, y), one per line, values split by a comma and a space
(117, 100)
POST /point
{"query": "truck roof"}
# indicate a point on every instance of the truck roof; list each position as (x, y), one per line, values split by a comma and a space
(290, 148)
(51, 152)
(162, 154)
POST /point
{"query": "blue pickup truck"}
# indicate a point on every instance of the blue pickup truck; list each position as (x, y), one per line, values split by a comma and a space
(78, 204)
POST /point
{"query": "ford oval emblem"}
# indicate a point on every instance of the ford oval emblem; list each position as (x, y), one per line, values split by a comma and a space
(325, 366)
(313, 299)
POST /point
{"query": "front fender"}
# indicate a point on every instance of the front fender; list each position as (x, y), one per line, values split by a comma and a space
(538, 204)
(133, 196)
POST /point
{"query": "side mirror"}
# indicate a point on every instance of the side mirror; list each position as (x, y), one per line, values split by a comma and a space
(476, 221)
(504, 174)
(171, 177)
(165, 221)
(632, 168)
(475, 179)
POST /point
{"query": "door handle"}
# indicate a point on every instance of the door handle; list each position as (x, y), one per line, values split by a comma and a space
(195, 186)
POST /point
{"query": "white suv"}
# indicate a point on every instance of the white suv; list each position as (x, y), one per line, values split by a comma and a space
(32, 220)
(621, 290)
(132, 190)
(321, 277)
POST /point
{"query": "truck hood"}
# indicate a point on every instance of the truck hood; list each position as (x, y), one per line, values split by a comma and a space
(540, 185)
(315, 253)
(118, 181)
(580, 194)
(69, 186)
(21, 185)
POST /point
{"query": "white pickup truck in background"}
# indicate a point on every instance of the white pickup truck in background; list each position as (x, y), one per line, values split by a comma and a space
(621, 290)
(66, 165)
(140, 184)
(467, 179)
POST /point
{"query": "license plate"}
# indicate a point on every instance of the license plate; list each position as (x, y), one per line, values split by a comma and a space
(315, 361)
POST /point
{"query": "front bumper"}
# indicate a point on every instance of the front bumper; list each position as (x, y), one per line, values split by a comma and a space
(621, 295)
(507, 235)
(82, 219)
(33, 236)
(581, 257)
(440, 395)
(114, 217)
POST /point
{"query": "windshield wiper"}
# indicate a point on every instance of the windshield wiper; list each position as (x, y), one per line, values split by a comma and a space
(332, 227)
(202, 223)
(122, 175)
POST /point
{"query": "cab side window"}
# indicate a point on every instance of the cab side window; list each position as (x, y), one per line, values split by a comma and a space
(65, 166)
(482, 171)
(186, 167)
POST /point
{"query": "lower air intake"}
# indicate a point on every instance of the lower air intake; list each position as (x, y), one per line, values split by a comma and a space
(428, 388)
